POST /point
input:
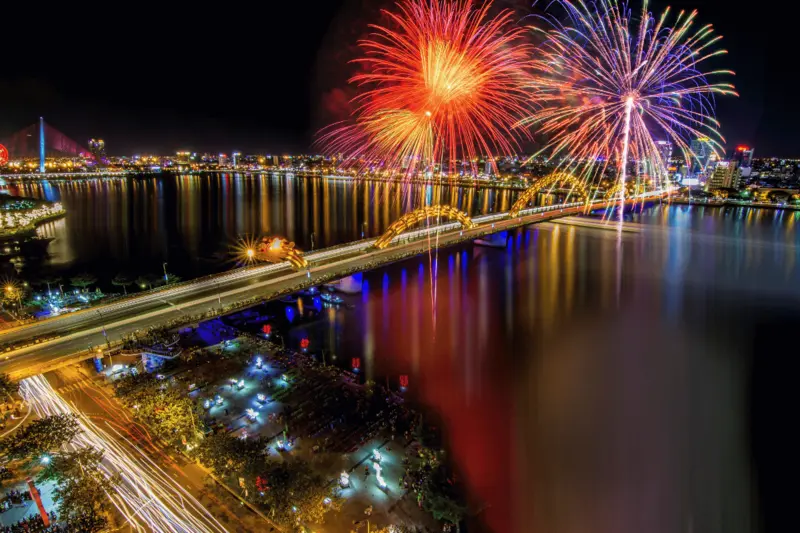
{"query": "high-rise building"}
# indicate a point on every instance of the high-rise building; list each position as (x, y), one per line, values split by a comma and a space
(222, 161)
(725, 175)
(665, 150)
(97, 147)
(743, 155)
(702, 152)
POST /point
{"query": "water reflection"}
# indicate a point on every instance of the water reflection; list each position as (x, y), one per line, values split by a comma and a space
(191, 222)
(566, 408)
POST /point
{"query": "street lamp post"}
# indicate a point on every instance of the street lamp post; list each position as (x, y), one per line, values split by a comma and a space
(166, 277)
(102, 325)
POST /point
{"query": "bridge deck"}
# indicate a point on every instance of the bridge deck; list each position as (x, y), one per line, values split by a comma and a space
(70, 338)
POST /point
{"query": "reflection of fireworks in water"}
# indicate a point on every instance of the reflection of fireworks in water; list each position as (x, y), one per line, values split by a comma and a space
(445, 83)
(607, 88)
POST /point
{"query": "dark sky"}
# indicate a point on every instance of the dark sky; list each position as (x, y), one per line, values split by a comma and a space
(263, 76)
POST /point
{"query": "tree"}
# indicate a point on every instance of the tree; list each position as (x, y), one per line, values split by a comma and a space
(228, 455)
(7, 386)
(297, 494)
(172, 278)
(82, 487)
(171, 414)
(121, 280)
(50, 279)
(147, 280)
(436, 486)
(40, 437)
(83, 281)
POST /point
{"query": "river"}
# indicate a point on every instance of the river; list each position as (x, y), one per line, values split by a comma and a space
(587, 380)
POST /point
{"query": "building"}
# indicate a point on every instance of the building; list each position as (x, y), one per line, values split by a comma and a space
(222, 161)
(702, 152)
(743, 156)
(725, 175)
(97, 147)
(665, 151)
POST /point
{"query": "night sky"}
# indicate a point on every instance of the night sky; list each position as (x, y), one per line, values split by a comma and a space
(263, 77)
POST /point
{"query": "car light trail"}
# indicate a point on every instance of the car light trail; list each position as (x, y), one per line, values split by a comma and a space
(147, 497)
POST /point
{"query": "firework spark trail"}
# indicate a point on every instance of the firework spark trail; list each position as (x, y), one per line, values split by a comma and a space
(147, 497)
(606, 87)
(442, 81)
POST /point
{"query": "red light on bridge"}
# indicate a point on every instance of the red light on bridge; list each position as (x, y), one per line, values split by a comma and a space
(3, 155)
(304, 344)
(356, 363)
(404, 381)
(267, 329)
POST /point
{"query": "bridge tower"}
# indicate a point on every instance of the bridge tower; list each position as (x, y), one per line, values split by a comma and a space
(41, 145)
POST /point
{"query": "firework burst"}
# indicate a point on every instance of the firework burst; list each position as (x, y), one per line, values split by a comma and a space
(443, 81)
(609, 87)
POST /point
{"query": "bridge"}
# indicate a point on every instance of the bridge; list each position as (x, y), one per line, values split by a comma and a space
(59, 341)
(41, 140)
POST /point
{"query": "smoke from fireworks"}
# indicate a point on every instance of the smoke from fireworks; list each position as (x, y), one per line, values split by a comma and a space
(442, 81)
(610, 87)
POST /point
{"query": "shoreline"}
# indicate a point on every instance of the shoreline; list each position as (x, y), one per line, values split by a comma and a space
(735, 203)
(30, 227)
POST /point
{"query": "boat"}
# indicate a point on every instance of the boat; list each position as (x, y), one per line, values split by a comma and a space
(331, 298)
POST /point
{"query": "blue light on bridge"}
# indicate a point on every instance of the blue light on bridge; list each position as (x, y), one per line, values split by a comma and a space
(41, 145)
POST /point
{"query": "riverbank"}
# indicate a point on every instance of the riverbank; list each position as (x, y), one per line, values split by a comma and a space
(20, 216)
(734, 203)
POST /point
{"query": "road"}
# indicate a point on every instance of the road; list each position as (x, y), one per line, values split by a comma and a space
(79, 333)
(149, 497)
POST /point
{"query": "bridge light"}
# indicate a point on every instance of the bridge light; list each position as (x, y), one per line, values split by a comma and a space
(251, 253)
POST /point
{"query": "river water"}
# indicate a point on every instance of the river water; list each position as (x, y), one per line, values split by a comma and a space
(586, 379)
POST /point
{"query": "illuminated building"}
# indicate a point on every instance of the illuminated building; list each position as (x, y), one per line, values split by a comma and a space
(725, 175)
(702, 152)
(665, 150)
(223, 160)
(97, 147)
(743, 156)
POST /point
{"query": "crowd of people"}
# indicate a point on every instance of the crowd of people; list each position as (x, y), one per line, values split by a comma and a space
(35, 524)
(12, 498)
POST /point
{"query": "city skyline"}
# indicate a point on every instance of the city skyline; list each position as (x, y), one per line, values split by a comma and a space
(236, 90)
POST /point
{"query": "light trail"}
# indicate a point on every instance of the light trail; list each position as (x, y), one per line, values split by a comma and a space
(147, 497)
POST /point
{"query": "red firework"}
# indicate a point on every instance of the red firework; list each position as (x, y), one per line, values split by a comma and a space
(443, 81)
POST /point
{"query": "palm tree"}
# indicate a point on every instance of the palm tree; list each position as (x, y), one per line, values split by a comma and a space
(172, 278)
(50, 279)
(122, 280)
(82, 281)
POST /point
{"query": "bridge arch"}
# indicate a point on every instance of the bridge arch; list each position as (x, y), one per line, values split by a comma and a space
(545, 183)
(409, 219)
(613, 191)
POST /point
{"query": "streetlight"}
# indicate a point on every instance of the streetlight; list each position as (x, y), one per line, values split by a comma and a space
(102, 325)
(166, 278)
